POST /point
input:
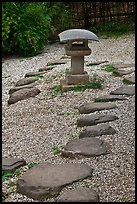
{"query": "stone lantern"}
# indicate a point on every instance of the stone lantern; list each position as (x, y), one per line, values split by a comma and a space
(77, 48)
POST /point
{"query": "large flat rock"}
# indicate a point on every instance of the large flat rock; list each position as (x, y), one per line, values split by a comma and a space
(34, 74)
(122, 72)
(16, 88)
(119, 66)
(97, 130)
(26, 81)
(92, 107)
(10, 164)
(23, 94)
(94, 119)
(45, 180)
(85, 147)
(79, 194)
(57, 62)
(124, 90)
(129, 79)
(96, 63)
(108, 98)
(46, 68)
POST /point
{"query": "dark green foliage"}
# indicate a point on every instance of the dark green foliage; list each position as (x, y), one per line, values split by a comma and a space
(26, 25)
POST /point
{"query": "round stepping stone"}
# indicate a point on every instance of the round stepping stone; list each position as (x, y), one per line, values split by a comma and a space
(86, 147)
(108, 98)
(23, 94)
(122, 72)
(31, 74)
(79, 194)
(94, 119)
(16, 88)
(10, 164)
(124, 90)
(129, 79)
(97, 130)
(56, 62)
(26, 81)
(45, 180)
(92, 107)
(96, 63)
(46, 69)
(117, 66)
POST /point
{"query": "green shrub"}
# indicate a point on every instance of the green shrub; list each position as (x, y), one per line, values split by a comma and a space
(27, 29)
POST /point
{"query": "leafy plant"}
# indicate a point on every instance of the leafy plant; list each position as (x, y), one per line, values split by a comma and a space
(31, 164)
(56, 150)
(109, 68)
(56, 91)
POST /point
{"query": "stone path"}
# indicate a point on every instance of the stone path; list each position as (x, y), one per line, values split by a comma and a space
(45, 180)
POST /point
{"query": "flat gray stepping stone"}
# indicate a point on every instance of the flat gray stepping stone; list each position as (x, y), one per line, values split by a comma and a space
(117, 66)
(65, 57)
(122, 72)
(94, 119)
(10, 164)
(26, 81)
(124, 90)
(96, 63)
(23, 94)
(89, 147)
(56, 62)
(16, 88)
(31, 74)
(108, 98)
(46, 68)
(92, 107)
(97, 130)
(129, 79)
(79, 194)
(44, 180)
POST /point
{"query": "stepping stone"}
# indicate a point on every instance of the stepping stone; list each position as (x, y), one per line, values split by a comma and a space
(10, 164)
(23, 94)
(122, 72)
(45, 180)
(96, 63)
(92, 107)
(108, 98)
(56, 62)
(124, 90)
(46, 68)
(79, 194)
(31, 74)
(94, 119)
(117, 66)
(89, 147)
(129, 79)
(26, 81)
(97, 130)
(16, 88)
(65, 57)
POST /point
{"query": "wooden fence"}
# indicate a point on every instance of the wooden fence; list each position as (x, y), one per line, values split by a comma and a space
(86, 14)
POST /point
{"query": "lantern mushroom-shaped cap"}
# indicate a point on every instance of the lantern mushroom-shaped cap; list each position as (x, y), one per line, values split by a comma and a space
(77, 34)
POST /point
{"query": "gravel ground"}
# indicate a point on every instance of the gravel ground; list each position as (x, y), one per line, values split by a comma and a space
(32, 127)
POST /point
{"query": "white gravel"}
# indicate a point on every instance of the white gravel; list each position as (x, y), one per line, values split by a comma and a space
(32, 127)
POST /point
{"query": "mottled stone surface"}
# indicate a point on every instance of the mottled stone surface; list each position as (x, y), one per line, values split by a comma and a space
(23, 94)
(122, 72)
(95, 119)
(92, 107)
(119, 66)
(96, 63)
(129, 79)
(79, 194)
(56, 62)
(85, 147)
(10, 164)
(97, 130)
(26, 81)
(47, 179)
(16, 88)
(46, 68)
(124, 90)
(31, 74)
(108, 98)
